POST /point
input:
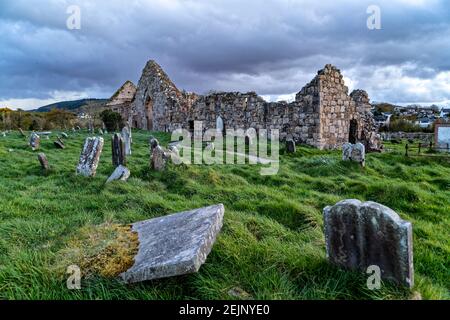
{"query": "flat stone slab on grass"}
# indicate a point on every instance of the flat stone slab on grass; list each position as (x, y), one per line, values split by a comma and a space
(174, 245)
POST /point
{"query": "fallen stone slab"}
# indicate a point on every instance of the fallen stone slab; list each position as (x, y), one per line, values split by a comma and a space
(174, 245)
(121, 173)
(359, 235)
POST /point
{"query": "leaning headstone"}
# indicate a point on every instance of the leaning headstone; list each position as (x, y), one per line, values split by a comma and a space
(347, 151)
(65, 135)
(359, 235)
(118, 151)
(121, 173)
(90, 156)
(359, 154)
(59, 144)
(35, 141)
(100, 132)
(290, 146)
(127, 140)
(22, 133)
(43, 161)
(158, 160)
(174, 245)
(354, 152)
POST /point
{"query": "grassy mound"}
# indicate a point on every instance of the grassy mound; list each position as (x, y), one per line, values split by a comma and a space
(106, 250)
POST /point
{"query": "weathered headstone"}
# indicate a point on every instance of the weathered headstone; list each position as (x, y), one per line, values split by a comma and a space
(65, 135)
(43, 161)
(127, 140)
(354, 152)
(359, 154)
(90, 156)
(100, 132)
(174, 245)
(359, 235)
(347, 151)
(35, 141)
(120, 173)
(59, 143)
(118, 151)
(22, 133)
(158, 159)
(290, 146)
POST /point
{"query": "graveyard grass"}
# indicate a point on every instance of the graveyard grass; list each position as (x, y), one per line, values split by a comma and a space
(271, 246)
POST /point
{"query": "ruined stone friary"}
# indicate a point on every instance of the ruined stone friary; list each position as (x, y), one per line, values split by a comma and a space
(323, 114)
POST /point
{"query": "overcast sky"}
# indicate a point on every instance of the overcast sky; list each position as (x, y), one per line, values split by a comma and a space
(273, 47)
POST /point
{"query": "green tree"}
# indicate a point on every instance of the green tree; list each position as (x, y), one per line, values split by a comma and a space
(112, 120)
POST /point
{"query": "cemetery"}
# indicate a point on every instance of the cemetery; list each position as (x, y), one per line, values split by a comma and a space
(139, 226)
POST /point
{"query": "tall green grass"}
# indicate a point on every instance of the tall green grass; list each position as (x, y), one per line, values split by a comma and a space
(271, 245)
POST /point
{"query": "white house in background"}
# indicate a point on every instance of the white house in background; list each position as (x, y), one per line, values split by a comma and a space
(445, 112)
(425, 122)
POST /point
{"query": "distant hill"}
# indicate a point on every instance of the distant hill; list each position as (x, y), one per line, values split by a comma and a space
(72, 105)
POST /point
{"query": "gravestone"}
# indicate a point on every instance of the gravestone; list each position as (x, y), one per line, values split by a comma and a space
(100, 132)
(359, 235)
(174, 245)
(22, 133)
(158, 159)
(347, 151)
(290, 146)
(65, 135)
(354, 152)
(90, 156)
(4, 134)
(118, 151)
(35, 141)
(121, 173)
(59, 143)
(43, 161)
(153, 143)
(127, 140)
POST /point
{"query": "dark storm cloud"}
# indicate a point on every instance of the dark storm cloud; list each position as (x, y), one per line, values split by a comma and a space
(272, 47)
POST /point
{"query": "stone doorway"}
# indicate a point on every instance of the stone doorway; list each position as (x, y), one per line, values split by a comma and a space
(353, 131)
(149, 113)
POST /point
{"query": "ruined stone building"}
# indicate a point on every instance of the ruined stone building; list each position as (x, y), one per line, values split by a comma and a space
(323, 114)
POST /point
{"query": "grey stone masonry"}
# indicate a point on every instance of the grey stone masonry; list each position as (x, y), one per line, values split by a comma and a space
(323, 114)
(174, 245)
(359, 235)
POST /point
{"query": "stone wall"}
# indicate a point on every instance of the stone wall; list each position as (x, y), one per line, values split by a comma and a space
(321, 114)
(424, 137)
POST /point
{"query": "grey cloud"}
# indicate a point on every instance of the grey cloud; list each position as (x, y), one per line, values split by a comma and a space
(271, 47)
